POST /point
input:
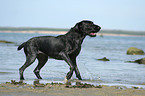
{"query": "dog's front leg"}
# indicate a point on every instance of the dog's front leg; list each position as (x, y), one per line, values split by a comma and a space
(76, 69)
(70, 63)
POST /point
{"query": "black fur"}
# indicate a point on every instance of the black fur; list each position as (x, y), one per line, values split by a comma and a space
(63, 47)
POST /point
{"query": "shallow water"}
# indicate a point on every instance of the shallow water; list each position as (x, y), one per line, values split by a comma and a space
(116, 71)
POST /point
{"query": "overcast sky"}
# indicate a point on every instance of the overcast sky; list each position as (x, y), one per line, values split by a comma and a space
(109, 14)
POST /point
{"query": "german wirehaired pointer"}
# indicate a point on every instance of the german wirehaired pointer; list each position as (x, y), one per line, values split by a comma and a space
(63, 47)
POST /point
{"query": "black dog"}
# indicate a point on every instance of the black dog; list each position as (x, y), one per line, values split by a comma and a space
(63, 47)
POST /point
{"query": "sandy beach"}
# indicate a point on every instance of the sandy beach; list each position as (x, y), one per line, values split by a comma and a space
(56, 89)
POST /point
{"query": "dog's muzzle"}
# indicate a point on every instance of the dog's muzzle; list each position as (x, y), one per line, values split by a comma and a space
(94, 34)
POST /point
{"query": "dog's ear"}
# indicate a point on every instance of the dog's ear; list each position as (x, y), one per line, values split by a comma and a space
(78, 27)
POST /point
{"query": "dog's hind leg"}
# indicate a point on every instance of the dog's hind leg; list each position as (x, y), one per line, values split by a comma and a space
(42, 59)
(29, 60)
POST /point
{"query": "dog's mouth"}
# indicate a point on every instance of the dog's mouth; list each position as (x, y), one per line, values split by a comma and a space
(92, 34)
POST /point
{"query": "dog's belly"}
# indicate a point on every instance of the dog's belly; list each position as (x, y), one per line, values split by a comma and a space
(51, 54)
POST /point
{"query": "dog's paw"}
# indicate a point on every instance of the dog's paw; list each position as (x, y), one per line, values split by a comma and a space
(65, 79)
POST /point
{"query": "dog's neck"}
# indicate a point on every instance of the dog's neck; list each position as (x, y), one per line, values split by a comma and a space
(75, 35)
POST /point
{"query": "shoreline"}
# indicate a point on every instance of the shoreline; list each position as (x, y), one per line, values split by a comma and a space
(58, 89)
(64, 32)
(126, 85)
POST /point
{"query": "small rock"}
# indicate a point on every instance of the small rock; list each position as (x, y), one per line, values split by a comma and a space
(104, 59)
(39, 85)
(137, 87)
(135, 51)
(139, 61)
(3, 41)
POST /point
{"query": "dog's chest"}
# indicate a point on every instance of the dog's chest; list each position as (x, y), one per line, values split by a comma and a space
(73, 47)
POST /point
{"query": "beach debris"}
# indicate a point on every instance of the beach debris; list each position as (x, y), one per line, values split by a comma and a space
(121, 87)
(40, 85)
(81, 85)
(135, 51)
(103, 59)
(4, 41)
(16, 83)
(139, 61)
(56, 83)
(99, 86)
(36, 83)
(137, 87)
(68, 83)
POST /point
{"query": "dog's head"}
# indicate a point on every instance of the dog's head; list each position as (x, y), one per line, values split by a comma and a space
(87, 28)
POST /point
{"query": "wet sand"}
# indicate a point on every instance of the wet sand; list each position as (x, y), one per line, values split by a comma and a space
(58, 89)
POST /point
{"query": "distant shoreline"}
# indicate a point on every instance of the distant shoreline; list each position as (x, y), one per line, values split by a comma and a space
(44, 30)
(64, 32)
(41, 32)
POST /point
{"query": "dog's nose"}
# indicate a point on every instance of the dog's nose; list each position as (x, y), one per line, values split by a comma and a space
(99, 27)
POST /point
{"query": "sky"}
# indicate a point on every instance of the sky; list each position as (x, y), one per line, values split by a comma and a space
(109, 14)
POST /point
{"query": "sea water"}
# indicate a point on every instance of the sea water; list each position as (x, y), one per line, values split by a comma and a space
(114, 72)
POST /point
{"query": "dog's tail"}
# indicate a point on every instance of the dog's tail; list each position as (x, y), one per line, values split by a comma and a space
(21, 46)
